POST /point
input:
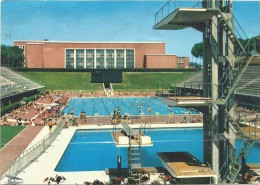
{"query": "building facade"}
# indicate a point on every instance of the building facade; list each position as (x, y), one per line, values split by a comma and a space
(97, 55)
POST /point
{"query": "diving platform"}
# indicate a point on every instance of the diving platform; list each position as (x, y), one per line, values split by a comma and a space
(183, 18)
(184, 165)
(126, 136)
(189, 101)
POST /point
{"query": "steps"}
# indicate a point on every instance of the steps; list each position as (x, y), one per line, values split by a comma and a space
(108, 89)
(227, 27)
(248, 143)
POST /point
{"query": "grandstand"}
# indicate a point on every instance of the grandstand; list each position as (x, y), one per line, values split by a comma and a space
(248, 85)
(13, 83)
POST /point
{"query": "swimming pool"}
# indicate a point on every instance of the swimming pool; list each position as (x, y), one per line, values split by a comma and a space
(94, 150)
(132, 106)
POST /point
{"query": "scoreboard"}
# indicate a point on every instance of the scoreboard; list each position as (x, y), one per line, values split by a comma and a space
(106, 76)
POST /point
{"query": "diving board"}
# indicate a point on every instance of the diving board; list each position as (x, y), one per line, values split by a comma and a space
(128, 130)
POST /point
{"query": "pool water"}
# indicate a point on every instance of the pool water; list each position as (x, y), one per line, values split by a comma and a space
(132, 106)
(94, 150)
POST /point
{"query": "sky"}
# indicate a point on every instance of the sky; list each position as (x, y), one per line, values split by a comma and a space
(106, 21)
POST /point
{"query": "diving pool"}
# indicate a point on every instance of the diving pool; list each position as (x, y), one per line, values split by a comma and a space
(94, 150)
(132, 106)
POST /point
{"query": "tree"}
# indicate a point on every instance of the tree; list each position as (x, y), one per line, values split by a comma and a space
(251, 45)
(11, 56)
(197, 50)
(195, 65)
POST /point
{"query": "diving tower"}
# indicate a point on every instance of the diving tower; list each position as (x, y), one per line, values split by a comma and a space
(224, 62)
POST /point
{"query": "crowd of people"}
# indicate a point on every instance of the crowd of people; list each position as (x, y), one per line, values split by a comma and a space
(33, 113)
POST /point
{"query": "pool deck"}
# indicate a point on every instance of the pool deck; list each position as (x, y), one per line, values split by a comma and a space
(44, 166)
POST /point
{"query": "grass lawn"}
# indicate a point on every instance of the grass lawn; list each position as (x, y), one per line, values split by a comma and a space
(64, 80)
(140, 81)
(7, 133)
(148, 82)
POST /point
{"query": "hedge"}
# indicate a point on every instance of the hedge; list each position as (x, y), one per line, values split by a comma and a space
(14, 105)
(89, 70)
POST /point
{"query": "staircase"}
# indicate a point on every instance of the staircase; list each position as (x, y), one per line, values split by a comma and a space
(247, 144)
(108, 89)
(229, 30)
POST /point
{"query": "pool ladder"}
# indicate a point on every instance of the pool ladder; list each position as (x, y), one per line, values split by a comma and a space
(134, 159)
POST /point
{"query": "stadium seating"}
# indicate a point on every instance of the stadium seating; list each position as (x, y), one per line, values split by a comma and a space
(249, 83)
(13, 83)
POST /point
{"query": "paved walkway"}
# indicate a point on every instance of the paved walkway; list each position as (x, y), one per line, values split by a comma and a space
(14, 148)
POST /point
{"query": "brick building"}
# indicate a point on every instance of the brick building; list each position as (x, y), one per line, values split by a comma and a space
(79, 55)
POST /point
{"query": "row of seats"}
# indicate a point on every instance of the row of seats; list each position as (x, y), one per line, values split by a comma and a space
(248, 84)
(251, 73)
(13, 83)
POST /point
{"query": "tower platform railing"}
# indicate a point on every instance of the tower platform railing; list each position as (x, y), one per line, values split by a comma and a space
(172, 5)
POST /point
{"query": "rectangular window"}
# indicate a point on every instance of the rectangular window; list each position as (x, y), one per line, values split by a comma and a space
(90, 58)
(69, 58)
(180, 60)
(130, 58)
(79, 58)
(100, 58)
(119, 58)
(110, 58)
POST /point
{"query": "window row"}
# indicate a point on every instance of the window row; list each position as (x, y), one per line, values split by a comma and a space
(100, 58)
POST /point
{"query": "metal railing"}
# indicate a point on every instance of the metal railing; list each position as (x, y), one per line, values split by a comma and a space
(142, 119)
(29, 155)
(172, 5)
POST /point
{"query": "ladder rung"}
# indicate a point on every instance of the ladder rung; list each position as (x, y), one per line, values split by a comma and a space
(136, 165)
(229, 179)
(231, 173)
(236, 164)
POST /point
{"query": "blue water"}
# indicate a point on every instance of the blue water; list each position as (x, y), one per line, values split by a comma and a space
(133, 106)
(95, 150)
